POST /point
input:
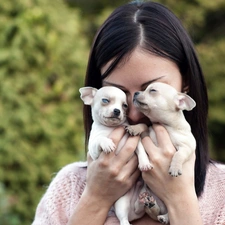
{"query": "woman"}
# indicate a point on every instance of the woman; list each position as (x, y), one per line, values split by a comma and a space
(138, 44)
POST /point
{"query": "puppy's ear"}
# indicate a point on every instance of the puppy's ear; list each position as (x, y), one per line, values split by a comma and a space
(184, 102)
(87, 94)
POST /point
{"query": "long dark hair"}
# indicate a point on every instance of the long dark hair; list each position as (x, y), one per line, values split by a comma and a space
(156, 29)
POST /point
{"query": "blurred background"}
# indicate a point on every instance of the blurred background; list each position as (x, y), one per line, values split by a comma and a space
(44, 48)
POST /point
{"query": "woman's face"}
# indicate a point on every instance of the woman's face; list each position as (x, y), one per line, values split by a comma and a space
(136, 73)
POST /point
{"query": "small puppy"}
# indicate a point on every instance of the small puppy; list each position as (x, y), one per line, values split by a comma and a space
(161, 103)
(108, 107)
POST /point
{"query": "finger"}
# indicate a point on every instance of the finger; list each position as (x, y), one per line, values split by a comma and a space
(132, 164)
(128, 149)
(131, 170)
(135, 175)
(117, 134)
(148, 145)
(163, 138)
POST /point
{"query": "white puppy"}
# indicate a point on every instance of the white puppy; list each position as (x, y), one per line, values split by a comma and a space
(108, 107)
(161, 103)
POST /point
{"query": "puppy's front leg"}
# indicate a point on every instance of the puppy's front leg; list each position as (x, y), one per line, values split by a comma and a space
(97, 145)
(107, 145)
(179, 158)
(143, 160)
(136, 129)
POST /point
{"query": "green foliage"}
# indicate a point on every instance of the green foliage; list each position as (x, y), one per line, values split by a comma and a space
(6, 217)
(212, 55)
(42, 60)
(94, 7)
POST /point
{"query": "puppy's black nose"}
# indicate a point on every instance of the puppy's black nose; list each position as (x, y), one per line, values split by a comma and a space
(116, 112)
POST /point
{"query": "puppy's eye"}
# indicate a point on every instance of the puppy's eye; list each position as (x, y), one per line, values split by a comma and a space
(105, 100)
(125, 106)
(152, 90)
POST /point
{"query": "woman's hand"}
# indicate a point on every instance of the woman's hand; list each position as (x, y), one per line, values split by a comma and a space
(112, 175)
(161, 156)
(178, 193)
(108, 178)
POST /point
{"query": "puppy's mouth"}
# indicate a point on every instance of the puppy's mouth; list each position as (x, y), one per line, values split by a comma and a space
(112, 120)
(140, 104)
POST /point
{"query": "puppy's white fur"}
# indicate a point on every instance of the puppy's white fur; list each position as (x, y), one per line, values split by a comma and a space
(161, 103)
(108, 107)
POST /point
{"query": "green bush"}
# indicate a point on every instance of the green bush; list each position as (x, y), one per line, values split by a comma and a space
(6, 217)
(42, 60)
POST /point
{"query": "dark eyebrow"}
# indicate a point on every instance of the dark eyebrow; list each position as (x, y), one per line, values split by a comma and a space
(112, 84)
(151, 81)
(121, 87)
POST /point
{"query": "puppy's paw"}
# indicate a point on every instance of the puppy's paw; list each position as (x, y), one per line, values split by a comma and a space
(146, 199)
(137, 129)
(175, 171)
(107, 145)
(144, 165)
(164, 219)
(132, 130)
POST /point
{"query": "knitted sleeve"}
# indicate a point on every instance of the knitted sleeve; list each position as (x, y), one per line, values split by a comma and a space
(221, 215)
(212, 201)
(61, 196)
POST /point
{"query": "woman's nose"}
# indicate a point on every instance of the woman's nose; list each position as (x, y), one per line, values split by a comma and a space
(133, 115)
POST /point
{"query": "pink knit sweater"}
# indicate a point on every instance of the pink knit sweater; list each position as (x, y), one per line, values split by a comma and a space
(65, 190)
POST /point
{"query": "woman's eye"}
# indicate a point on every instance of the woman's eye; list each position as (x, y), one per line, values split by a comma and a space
(105, 100)
(125, 106)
